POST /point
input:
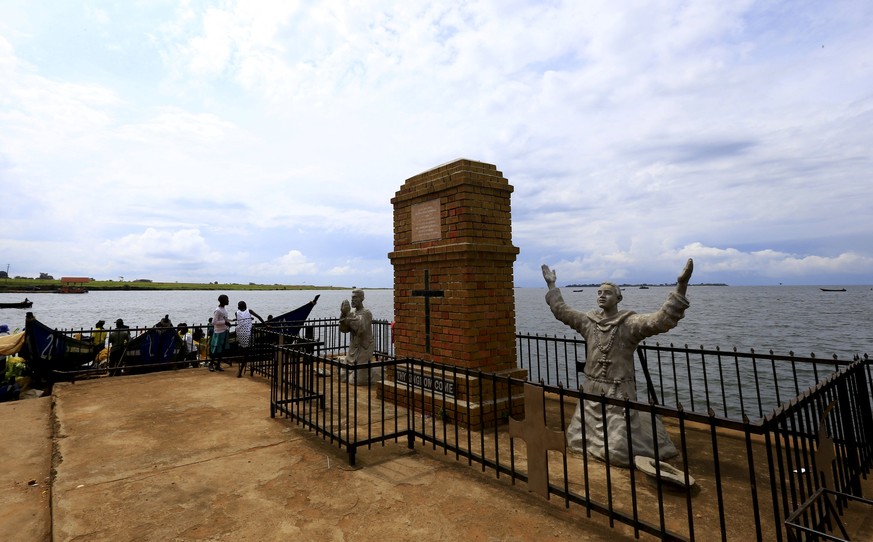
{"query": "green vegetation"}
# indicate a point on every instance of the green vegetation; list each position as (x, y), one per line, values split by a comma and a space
(646, 285)
(50, 285)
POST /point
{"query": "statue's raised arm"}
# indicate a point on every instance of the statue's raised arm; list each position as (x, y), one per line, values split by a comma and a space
(550, 276)
(609, 432)
(684, 277)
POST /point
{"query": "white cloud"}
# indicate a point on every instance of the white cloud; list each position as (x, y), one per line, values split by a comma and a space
(98, 15)
(42, 117)
(771, 263)
(276, 133)
(154, 248)
(291, 264)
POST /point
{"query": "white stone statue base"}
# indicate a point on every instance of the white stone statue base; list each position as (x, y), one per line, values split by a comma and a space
(358, 377)
(616, 431)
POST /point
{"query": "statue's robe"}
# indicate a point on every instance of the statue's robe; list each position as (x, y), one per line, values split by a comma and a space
(609, 370)
(359, 324)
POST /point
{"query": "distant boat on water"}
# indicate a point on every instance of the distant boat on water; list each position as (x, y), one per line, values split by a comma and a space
(832, 289)
(26, 304)
(73, 285)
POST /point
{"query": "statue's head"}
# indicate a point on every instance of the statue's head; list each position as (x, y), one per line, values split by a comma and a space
(357, 298)
(608, 295)
(615, 288)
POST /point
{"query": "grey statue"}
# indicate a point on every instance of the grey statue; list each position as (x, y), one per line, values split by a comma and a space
(358, 323)
(611, 337)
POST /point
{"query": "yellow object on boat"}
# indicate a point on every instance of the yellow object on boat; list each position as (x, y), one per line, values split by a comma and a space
(11, 344)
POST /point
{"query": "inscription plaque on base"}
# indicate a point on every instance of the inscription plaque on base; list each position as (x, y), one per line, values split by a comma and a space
(426, 224)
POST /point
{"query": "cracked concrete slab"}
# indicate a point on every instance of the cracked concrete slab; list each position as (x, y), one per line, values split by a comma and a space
(193, 455)
(25, 476)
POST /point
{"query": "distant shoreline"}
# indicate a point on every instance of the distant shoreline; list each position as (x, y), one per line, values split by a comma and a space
(36, 286)
(646, 285)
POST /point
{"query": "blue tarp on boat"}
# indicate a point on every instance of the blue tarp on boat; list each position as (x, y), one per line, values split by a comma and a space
(152, 347)
(48, 351)
(291, 322)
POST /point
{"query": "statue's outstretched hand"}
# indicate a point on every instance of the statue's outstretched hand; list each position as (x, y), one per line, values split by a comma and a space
(549, 275)
(685, 276)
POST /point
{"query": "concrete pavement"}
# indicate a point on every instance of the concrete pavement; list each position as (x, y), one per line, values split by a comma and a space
(193, 455)
(25, 476)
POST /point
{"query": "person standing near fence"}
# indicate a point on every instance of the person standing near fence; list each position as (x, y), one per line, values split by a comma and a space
(98, 337)
(220, 341)
(188, 340)
(244, 333)
(118, 338)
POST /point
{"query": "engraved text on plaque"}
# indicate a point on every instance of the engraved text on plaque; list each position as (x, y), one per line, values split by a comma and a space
(426, 221)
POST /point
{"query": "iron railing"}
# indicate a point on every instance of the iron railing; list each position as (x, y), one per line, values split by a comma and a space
(745, 426)
(751, 475)
(732, 383)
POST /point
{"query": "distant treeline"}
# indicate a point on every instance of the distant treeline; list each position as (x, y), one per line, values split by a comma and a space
(595, 285)
(25, 285)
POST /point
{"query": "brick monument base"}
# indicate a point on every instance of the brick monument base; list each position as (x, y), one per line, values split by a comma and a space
(471, 401)
(454, 297)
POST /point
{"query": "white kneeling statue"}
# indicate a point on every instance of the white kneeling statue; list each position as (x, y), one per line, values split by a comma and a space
(612, 336)
(358, 323)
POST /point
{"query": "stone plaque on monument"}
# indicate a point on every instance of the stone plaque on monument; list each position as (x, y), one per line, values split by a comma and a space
(426, 223)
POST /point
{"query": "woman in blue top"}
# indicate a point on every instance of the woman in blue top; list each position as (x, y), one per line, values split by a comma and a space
(220, 334)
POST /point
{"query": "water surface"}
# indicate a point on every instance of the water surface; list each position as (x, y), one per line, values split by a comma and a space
(802, 319)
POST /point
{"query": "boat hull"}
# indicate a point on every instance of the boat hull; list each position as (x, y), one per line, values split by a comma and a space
(17, 305)
(54, 356)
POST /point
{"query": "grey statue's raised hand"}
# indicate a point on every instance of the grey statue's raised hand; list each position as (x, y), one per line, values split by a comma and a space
(684, 277)
(549, 275)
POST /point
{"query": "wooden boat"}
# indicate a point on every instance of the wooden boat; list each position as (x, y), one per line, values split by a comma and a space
(72, 290)
(73, 285)
(291, 322)
(26, 304)
(53, 355)
(156, 348)
(832, 289)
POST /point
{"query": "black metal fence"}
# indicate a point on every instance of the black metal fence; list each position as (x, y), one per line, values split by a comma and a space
(751, 429)
(67, 355)
(750, 476)
(731, 383)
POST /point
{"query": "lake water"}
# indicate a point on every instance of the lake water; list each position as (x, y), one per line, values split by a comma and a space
(802, 319)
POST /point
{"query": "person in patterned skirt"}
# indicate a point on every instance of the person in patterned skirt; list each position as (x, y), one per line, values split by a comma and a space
(244, 317)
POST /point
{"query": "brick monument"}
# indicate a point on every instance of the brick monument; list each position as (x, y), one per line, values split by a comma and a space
(454, 297)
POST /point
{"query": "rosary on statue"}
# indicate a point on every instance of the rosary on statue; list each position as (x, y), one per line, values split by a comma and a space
(605, 349)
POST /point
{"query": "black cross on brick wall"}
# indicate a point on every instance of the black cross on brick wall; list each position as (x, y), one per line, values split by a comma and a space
(427, 293)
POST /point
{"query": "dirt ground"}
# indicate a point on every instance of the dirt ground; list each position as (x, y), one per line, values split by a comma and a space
(194, 455)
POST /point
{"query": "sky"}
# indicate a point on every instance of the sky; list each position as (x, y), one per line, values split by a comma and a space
(262, 141)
